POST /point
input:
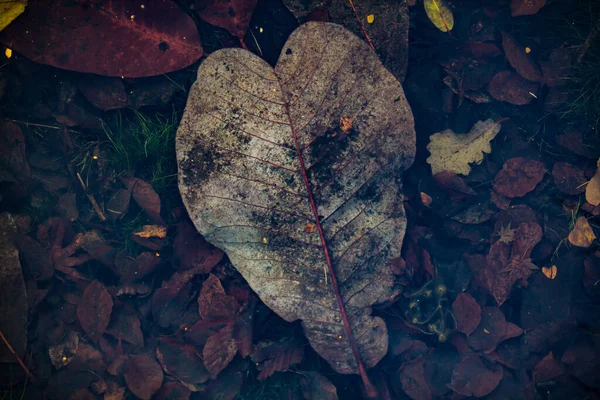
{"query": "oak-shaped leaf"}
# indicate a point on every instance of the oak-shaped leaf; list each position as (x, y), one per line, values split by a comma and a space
(94, 310)
(307, 207)
(475, 377)
(271, 357)
(117, 38)
(518, 177)
(455, 152)
(143, 375)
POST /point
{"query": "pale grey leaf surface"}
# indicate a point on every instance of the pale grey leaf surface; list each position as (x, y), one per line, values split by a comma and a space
(240, 178)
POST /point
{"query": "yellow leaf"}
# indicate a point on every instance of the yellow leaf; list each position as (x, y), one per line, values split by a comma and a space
(582, 234)
(149, 231)
(8, 53)
(370, 18)
(10, 10)
(592, 190)
(439, 13)
(550, 273)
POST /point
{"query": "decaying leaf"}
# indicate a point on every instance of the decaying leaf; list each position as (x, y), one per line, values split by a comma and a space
(95, 309)
(582, 234)
(592, 190)
(518, 177)
(452, 152)
(440, 14)
(219, 350)
(261, 154)
(213, 303)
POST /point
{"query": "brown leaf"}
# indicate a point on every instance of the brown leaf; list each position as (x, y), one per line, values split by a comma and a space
(316, 387)
(233, 15)
(62, 353)
(219, 350)
(519, 59)
(228, 384)
(88, 358)
(150, 231)
(592, 190)
(173, 391)
(492, 330)
(412, 377)
(143, 375)
(568, 178)
(146, 197)
(271, 357)
(582, 234)
(525, 7)
(116, 40)
(258, 213)
(103, 92)
(126, 325)
(182, 361)
(213, 303)
(467, 312)
(510, 87)
(193, 251)
(118, 204)
(548, 368)
(136, 270)
(518, 177)
(574, 141)
(473, 377)
(94, 310)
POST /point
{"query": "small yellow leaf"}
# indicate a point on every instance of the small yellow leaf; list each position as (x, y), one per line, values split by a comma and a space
(582, 234)
(346, 123)
(550, 273)
(439, 13)
(592, 190)
(149, 231)
(8, 53)
(370, 18)
(9, 10)
(527, 50)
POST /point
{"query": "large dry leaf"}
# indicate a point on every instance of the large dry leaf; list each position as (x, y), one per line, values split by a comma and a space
(452, 152)
(295, 173)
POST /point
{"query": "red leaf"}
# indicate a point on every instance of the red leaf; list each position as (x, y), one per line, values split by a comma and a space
(182, 361)
(94, 310)
(233, 15)
(518, 177)
(131, 38)
(574, 141)
(146, 197)
(276, 356)
(568, 178)
(193, 251)
(492, 330)
(126, 325)
(467, 312)
(413, 381)
(519, 59)
(219, 350)
(143, 375)
(525, 7)
(511, 87)
(473, 377)
(548, 368)
(213, 303)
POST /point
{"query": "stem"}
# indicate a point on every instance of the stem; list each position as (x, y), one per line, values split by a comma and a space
(23, 366)
(362, 26)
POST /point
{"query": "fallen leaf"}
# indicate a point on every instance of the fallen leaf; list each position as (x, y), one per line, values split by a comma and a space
(574, 141)
(183, 361)
(67, 207)
(551, 272)
(568, 178)
(582, 234)
(148, 231)
(258, 214)
(510, 87)
(473, 377)
(94, 310)
(520, 59)
(62, 353)
(426, 199)
(492, 330)
(143, 375)
(440, 14)
(15, 173)
(233, 15)
(115, 40)
(518, 177)
(467, 312)
(525, 7)
(227, 386)
(439, 365)
(213, 303)
(219, 350)
(370, 18)
(452, 152)
(172, 391)
(125, 325)
(146, 197)
(548, 368)
(118, 204)
(414, 384)
(193, 251)
(271, 357)
(316, 387)
(592, 190)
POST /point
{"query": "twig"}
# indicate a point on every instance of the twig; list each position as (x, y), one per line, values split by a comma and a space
(588, 41)
(362, 26)
(92, 199)
(32, 124)
(27, 371)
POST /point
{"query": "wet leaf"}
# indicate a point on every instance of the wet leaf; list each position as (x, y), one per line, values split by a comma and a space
(592, 190)
(316, 387)
(271, 357)
(510, 87)
(473, 377)
(582, 234)
(413, 381)
(519, 59)
(454, 152)
(258, 214)
(146, 197)
(214, 303)
(525, 7)
(143, 375)
(115, 40)
(182, 361)
(440, 14)
(219, 350)
(94, 310)
(568, 178)
(233, 15)
(467, 312)
(518, 177)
